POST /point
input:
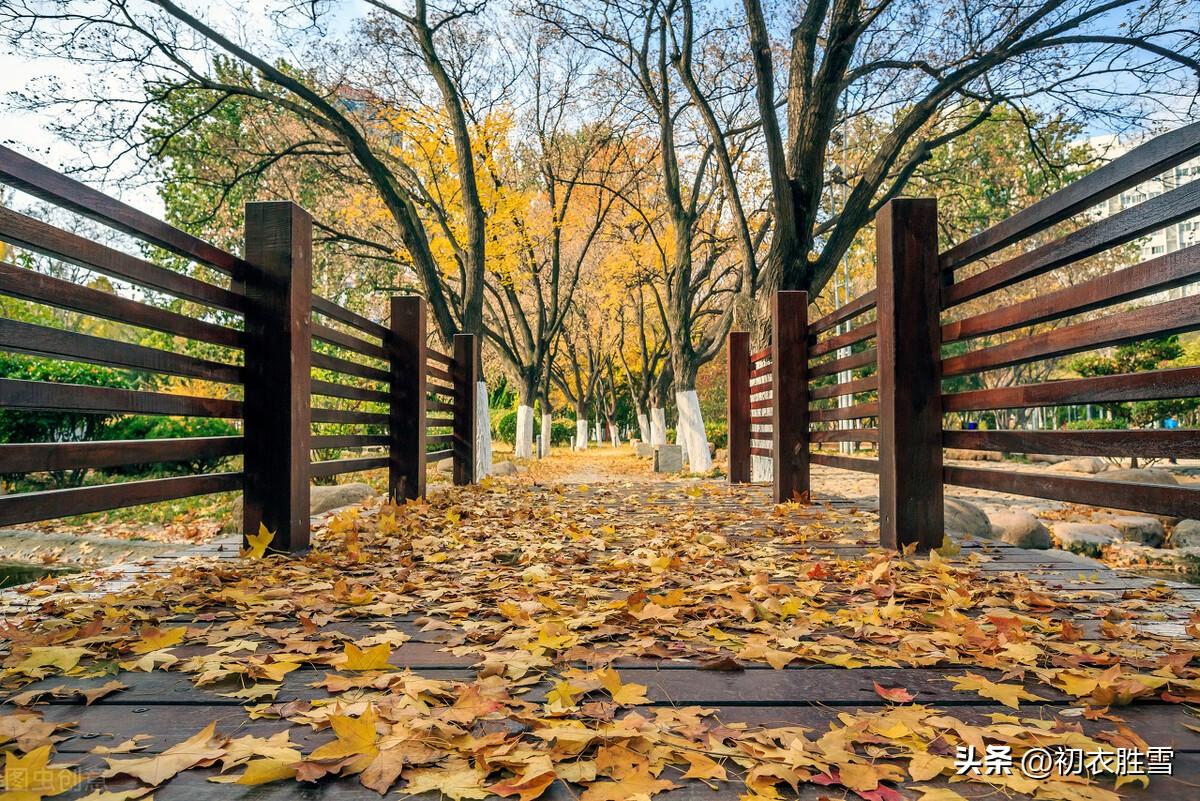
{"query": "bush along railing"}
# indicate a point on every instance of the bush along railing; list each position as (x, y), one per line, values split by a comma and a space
(260, 334)
(929, 336)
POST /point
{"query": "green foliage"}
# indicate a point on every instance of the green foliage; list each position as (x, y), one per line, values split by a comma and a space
(22, 426)
(506, 428)
(1137, 357)
(562, 432)
(502, 395)
(140, 426)
(717, 432)
(1096, 425)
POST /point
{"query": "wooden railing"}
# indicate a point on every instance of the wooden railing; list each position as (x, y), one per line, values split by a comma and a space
(267, 334)
(917, 303)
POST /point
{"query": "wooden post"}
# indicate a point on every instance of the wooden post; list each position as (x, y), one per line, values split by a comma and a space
(910, 375)
(738, 398)
(789, 392)
(466, 375)
(278, 358)
(406, 418)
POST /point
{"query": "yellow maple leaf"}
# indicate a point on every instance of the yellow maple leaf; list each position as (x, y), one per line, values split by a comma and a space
(562, 696)
(1008, 694)
(30, 777)
(42, 657)
(623, 694)
(156, 639)
(258, 543)
(356, 737)
(938, 794)
(264, 771)
(375, 658)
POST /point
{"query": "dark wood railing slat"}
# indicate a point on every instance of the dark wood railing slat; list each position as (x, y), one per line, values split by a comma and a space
(863, 303)
(26, 284)
(1124, 226)
(343, 315)
(325, 441)
(852, 387)
(47, 396)
(846, 435)
(834, 366)
(854, 335)
(1145, 161)
(857, 464)
(49, 504)
(1162, 319)
(350, 342)
(1150, 444)
(1159, 274)
(336, 467)
(348, 416)
(38, 340)
(1181, 382)
(324, 361)
(42, 182)
(331, 389)
(53, 456)
(856, 412)
(1158, 499)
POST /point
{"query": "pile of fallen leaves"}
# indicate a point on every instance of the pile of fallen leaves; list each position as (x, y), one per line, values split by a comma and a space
(543, 594)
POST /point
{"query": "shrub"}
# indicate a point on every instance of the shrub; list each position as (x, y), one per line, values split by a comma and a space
(717, 432)
(140, 426)
(1095, 425)
(23, 426)
(506, 428)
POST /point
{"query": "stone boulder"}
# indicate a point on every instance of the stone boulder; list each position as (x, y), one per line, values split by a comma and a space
(1186, 534)
(722, 455)
(1084, 464)
(503, 469)
(963, 518)
(968, 455)
(1142, 529)
(1141, 476)
(446, 467)
(1089, 539)
(1019, 528)
(321, 499)
(1046, 458)
(644, 450)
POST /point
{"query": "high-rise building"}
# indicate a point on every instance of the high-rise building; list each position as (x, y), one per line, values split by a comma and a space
(1169, 239)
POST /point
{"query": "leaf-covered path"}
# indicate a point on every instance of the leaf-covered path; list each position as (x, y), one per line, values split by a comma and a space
(536, 637)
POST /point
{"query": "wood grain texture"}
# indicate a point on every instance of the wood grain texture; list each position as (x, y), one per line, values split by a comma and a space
(1151, 444)
(738, 406)
(278, 405)
(407, 410)
(910, 390)
(789, 423)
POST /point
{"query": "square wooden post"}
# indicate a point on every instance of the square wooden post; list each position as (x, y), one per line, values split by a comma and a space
(789, 392)
(406, 413)
(910, 375)
(738, 399)
(278, 357)
(466, 376)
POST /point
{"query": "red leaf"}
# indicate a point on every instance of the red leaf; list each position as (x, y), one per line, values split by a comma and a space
(897, 695)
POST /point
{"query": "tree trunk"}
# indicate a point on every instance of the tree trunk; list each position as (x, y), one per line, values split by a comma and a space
(523, 441)
(690, 431)
(581, 428)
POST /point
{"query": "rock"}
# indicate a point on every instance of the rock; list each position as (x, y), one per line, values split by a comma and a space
(321, 499)
(446, 467)
(644, 450)
(1019, 528)
(668, 459)
(721, 455)
(504, 469)
(968, 455)
(1089, 539)
(1141, 476)
(966, 518)
(1141, 529)
(1046, 458)
(1186, 534)
(1084, 464)
(324, 498)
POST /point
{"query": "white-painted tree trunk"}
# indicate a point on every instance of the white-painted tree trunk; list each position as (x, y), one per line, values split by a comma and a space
(581, 434)
(483, 432)
(614, 436)
(658, 426)
(599, 431)
(547, 430)
(691, 431)
(523, 443)
(761, 469)
(643, 427)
